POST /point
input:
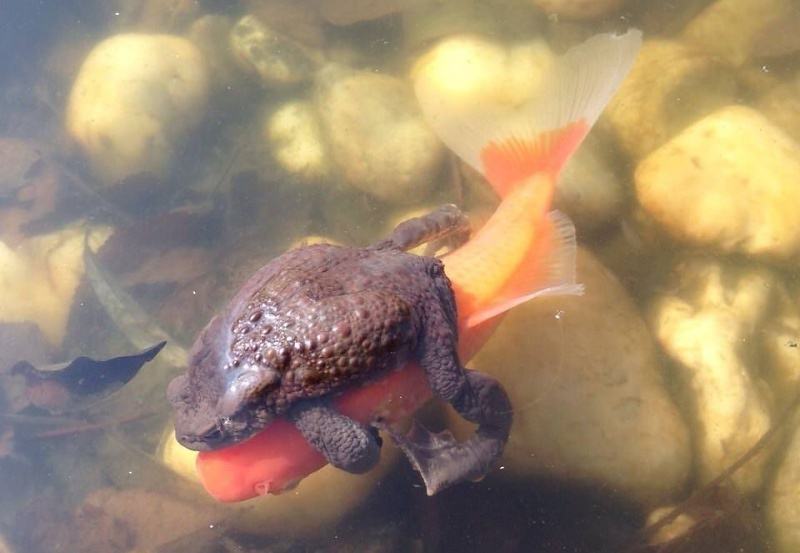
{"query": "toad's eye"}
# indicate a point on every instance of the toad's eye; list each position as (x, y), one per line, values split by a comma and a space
(245, 387)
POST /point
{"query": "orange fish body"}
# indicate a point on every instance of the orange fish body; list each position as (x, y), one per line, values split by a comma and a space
(523, 251)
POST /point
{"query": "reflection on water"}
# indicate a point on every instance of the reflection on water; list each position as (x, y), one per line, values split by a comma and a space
(196, 140)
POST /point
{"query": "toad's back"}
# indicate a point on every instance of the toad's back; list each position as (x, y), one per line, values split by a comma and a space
(320, 317)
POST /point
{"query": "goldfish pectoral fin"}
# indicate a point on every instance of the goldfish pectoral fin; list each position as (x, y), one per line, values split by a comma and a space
(440, 459)
(548, 270)
(509, 143)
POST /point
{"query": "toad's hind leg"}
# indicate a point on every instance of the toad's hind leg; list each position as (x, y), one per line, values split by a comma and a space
(446, 223)
(439, 458)
(345, 443)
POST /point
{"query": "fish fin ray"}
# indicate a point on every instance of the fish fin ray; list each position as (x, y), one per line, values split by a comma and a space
(541, 133)
(548, 270)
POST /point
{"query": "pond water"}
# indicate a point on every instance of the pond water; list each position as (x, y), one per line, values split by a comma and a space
(154, 154)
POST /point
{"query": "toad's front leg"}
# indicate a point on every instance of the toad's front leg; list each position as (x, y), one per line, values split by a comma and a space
(446, 225)
(345, 443)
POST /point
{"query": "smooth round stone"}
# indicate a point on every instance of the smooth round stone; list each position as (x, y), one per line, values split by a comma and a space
(651, 105)
(707, 324)
(728, 29)
(729, 181)
(377, 136)
(579, 9)
(590, 405)
(277, 60)
(589, 190)
(783, 498)
(297, 144)
(133, 101)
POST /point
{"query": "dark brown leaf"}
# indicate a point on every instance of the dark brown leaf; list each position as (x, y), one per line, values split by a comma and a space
(83, 375)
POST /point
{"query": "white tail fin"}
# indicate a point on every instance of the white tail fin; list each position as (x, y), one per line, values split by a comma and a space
(574, 90)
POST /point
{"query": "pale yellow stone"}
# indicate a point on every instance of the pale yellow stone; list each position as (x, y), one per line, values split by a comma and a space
(705, 325)
(312, 239)
(39, 277)
(210, 33)
(589, 190)
(783, 498)
(781, 105)
(318, 502)
(731, 181)
(589, 402)
(378, 140)
(579, 9)
(780, 338)
(132, 102)
(297, 144)
(348, 12)
(727, 28)
(469, 70)
(427, 21)
(277, 60)
(668, 88)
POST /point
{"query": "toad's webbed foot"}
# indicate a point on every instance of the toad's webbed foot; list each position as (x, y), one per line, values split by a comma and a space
(444, 225)
(345, 443)
(439, 458)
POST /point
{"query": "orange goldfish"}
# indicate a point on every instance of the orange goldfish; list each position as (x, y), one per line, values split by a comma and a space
(524, 250)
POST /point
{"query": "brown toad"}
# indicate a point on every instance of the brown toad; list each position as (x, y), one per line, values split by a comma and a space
(321, 319)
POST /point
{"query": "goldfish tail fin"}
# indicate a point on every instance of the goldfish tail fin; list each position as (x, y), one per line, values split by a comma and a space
(510, 143)
(548, 270)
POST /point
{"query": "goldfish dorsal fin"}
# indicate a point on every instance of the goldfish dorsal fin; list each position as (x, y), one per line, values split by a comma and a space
(504, 142)
(549, 270)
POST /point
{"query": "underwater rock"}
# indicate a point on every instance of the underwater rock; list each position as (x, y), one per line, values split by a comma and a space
(295, 135)
(378, 138)
(150, 15)
(133, 101)
(312, 239)
(780, 343)
(468, 70)
(153, 518)
(317, 503)
(297, 20)
(589, 401)
(781, 105)
(706, 325)
(347, 12)
(668, 88)
(278, 61)
(40, 277)
(589, 190)
(427, 21)
(579, 9)
(31, 184)
(778, 37)
(728, 29)
(210, 34)
(731, 181)
(783, 498)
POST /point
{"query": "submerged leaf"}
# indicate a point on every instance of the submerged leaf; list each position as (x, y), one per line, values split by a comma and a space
(66, 386)
(137, 326)
(84, 375)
